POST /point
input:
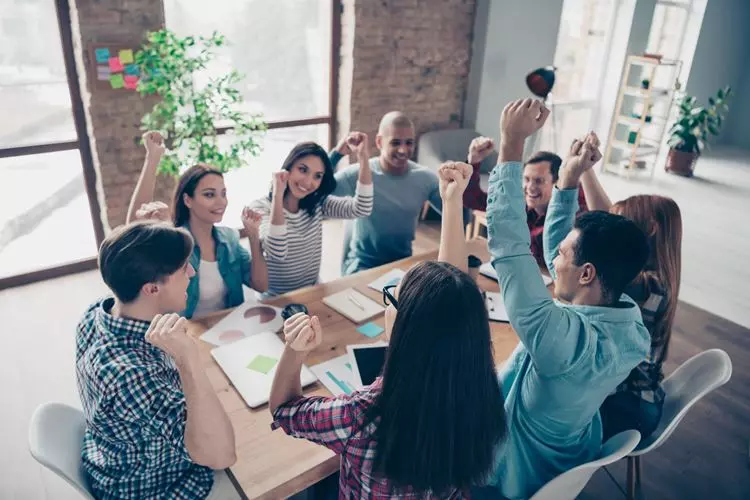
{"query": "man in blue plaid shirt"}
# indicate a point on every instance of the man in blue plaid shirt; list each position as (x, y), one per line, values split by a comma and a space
(154, 426)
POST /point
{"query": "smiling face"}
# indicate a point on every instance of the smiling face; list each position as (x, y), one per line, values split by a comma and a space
(537, 185)
(305, 176)
(569, 274)
(209, 201)
(171, 291)
(396, 146)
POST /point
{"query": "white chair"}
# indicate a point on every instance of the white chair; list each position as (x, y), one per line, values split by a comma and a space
(692, 380)
(55, 440)
(569, 484)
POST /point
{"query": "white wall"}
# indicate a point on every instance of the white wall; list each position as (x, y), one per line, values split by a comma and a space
(721, 58)
(737, 130)
(520, 37)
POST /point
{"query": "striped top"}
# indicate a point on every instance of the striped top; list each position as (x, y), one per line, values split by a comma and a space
(293, 250)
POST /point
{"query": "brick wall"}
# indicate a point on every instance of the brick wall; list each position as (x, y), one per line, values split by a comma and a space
(114, 117)
(407, 55)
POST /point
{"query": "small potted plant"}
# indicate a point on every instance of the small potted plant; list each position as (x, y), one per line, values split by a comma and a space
(689, 134)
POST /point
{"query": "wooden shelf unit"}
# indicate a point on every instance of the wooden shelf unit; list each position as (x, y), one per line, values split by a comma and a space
(642, 150)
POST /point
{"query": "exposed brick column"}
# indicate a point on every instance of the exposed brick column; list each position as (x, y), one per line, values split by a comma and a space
(407, 55)
(114, 117)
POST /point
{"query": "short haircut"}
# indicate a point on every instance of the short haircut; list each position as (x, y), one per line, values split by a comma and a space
(394, 119)
(142, 252)
(615, 246)
(554, 162)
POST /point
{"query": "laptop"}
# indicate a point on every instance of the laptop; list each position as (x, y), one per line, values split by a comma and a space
(250, 365)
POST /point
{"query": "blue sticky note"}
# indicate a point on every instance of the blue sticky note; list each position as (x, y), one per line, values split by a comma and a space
(102, 55)
(370, 330)
(132, 69)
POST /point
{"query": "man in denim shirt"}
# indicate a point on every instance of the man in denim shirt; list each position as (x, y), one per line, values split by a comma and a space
(154, 426)
(575, 350)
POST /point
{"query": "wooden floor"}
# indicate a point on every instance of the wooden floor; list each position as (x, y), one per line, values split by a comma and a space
(707, 457)
(716, 242)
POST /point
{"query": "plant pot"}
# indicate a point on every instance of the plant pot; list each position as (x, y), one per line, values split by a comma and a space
(681, 162)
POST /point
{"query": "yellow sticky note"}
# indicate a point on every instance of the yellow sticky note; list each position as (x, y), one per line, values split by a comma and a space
(126, 56)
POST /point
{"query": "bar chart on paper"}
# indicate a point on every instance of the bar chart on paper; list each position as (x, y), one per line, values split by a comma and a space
(336, 375)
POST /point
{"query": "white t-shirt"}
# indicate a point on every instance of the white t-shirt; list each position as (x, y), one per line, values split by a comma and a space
(212, 290)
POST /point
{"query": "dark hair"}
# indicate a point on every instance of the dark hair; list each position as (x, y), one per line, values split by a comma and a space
(186, 185)
(440, 408)
(554, 162)
(615, 246)
(142, 252)
(327, 184)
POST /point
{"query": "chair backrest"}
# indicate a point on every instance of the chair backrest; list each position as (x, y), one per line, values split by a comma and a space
(438, 146)
(55, 440)
(569, 484)
(692, 380)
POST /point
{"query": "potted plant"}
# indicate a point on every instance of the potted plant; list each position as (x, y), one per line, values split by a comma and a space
(689, 134)
(189, 114)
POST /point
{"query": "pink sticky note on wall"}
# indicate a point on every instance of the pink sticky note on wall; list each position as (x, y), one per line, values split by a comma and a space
(131, 82)
(115, 65)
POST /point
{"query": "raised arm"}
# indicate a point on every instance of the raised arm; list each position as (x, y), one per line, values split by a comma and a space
(360, 205)
(596, 196)
(144, 188)
(256, 273)
(563, 206)
(549, 332)
(208, 434)
(454, 178)
(344, 148)
(479, 149)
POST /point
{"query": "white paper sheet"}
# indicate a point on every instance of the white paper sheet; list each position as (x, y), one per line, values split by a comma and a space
(486, 269)
(496, 307)
(336, 375)
(249, 318)
(392, 277)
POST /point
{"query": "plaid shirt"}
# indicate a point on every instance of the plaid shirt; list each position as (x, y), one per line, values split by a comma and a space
(135, 413)
(476, 199)
(645, 379)
(341, 425)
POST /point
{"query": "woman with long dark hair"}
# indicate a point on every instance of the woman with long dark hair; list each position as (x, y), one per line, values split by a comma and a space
(638, 402)
(430, 425)
(221, 262)
(293, 213)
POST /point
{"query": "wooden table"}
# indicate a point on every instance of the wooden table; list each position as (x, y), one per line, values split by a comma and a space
(271, 464)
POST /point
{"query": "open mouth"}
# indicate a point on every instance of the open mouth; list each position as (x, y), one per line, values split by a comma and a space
(302, 189)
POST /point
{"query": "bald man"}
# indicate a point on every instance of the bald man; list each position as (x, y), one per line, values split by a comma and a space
(400, 189)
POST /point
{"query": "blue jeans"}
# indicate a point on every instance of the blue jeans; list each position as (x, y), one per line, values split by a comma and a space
(625, 410)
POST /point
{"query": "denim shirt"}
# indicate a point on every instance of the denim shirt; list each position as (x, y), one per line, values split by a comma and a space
(569, 358)
(234, 267)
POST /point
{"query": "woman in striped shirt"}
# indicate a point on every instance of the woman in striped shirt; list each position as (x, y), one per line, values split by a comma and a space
(291, 229)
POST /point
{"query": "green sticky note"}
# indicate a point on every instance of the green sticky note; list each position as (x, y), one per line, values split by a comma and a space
(117, 81)
(126, 56)
(262, 364)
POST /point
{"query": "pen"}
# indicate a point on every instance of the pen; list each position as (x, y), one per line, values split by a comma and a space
(356, 302)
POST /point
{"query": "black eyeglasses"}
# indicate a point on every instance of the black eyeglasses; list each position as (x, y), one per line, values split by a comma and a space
(388, 298)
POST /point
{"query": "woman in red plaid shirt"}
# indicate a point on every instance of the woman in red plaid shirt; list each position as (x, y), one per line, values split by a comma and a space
(430, 425)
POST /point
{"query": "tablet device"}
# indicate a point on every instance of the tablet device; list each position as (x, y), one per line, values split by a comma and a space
(367, 362)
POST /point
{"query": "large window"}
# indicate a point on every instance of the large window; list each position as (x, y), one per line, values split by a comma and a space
(285, 50)
(583, 44)
(46, 209)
